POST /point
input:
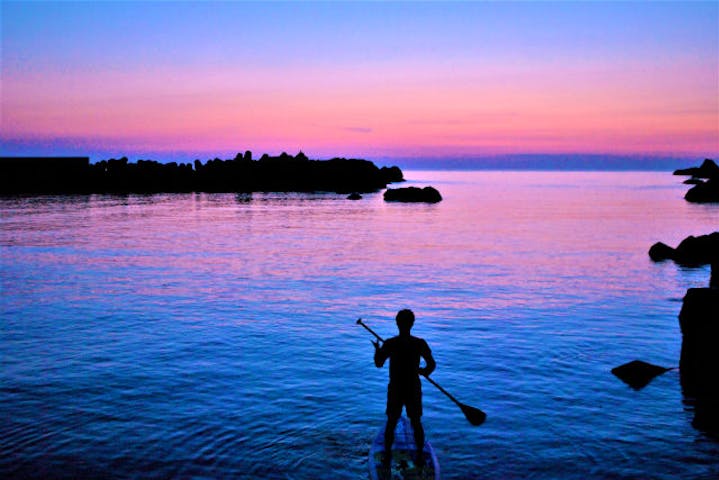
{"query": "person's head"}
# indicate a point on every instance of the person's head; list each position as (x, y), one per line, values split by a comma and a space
(405, 320)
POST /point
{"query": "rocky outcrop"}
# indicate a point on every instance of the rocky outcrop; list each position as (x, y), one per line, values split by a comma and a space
(284, 173)
(708, 169)
(702, 191)
(699, 360)
(413, 194)
(637, 374)
(706, 192)
(392, 174)
(44, 174)
(692, 251)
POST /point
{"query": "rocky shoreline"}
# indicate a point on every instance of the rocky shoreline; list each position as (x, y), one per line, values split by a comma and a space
(698, 317)
(284, 173)
(705, 179)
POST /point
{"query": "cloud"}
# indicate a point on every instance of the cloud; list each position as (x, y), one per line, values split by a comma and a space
(358, 129)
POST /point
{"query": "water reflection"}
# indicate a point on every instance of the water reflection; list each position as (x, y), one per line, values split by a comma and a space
(212, 334)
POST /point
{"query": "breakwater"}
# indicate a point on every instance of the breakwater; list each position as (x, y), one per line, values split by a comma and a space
(285, 173)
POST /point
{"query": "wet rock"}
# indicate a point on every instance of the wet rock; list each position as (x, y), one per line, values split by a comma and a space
(413, 194)
(354, 196)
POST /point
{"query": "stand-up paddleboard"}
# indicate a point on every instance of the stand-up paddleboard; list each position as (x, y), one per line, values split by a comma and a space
(403, 466)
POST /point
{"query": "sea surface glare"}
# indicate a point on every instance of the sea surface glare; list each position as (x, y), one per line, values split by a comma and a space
(214, 335)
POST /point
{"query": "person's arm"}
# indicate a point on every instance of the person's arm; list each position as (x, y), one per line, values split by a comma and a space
(430, 364)
(380, 354)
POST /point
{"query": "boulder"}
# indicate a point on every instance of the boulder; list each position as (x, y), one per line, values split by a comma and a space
(637, 374)
(354, 196)
(699, 361)
(392, 174)
(706, 192)
(412, 194)
(661, 251)
(692, 251)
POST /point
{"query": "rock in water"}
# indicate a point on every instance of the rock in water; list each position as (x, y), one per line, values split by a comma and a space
(638, 374)
(699, 322)
(412, 194)
(708, 169)
(707, 192)
(692, 251)
(661, 251)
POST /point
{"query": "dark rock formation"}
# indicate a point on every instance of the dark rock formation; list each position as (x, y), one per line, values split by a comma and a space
(693, 181)
(706, 192)
(413, 194)
(638, 374)
(692, 251)
(392, 174)
(708, 169)
(44, 174)
(699, 361)
(699, 322)
(285, 173)
(702, 192)
(354, 196)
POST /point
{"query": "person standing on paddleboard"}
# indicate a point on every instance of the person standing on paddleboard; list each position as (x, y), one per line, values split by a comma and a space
(405, 389)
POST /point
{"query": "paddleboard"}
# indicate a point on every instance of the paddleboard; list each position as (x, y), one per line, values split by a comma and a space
(403, 466)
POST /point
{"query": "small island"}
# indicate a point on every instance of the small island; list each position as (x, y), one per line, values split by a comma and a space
(283, 173)
(705, 179)
(413, 194)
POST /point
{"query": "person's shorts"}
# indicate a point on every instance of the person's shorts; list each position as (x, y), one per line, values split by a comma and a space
(409, 397)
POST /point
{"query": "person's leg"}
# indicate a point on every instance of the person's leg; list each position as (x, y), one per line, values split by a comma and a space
(418, 437)
(394, 411)
(389, 434)
(414, 412)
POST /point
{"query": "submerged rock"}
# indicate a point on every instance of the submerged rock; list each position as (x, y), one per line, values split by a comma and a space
(413, 194)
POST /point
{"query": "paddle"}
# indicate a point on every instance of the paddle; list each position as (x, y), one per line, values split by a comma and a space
(475, 416)
(637, 374)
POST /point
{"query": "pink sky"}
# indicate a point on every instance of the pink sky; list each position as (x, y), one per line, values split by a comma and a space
(483, 101)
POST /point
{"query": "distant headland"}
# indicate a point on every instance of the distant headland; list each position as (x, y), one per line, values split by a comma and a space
(283, 173)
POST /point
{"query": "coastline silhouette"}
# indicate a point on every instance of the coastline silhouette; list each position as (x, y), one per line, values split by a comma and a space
(283, 173)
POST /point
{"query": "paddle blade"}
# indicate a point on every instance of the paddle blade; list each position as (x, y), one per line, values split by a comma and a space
(638, 374)
(475, 416)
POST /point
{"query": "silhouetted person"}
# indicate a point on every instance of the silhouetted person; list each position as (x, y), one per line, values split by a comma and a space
(405, 389)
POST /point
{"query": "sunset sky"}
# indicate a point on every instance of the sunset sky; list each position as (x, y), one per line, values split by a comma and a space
(374, 80)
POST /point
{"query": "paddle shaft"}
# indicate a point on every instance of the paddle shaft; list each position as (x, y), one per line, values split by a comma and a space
(449, 395)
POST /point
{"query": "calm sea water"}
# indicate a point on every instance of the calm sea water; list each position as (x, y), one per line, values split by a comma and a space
(214, 336)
